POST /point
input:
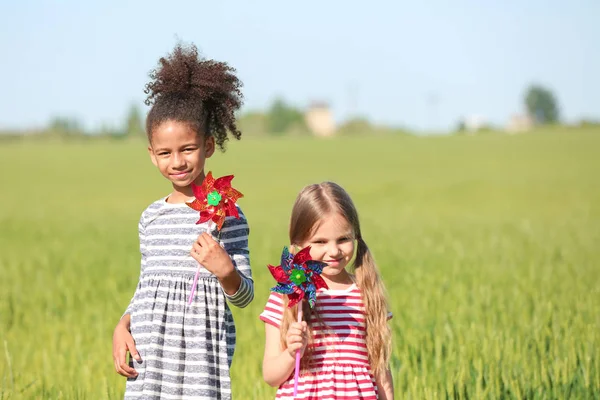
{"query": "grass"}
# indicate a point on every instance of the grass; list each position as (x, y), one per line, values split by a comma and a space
(488, 246)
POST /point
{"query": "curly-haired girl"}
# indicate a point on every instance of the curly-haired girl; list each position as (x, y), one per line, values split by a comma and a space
(179, 350)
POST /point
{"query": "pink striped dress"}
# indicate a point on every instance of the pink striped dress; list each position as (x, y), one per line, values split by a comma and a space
(340, 366)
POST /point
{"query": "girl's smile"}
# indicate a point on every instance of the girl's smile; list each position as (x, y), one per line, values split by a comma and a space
(180, 175)
(332, 241)
(180, 153)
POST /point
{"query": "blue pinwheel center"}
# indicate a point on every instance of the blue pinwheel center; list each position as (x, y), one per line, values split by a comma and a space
(297, 276)
(214, 198)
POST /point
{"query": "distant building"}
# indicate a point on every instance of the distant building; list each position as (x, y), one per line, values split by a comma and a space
(474, 123)
(319, 119)
(519, 123)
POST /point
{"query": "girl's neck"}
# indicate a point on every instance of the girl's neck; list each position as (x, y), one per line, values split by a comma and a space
(185, 193)
(180, 195)
(341, 281)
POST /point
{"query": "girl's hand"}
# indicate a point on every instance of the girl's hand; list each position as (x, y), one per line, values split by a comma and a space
(208, 252)
(122, 343)
(296, 338)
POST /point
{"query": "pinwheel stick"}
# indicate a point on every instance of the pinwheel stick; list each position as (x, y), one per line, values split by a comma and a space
(195, 284)
(297, 372)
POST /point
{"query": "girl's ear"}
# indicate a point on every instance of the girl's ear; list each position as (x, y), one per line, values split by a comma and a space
(209, 147)
(152, 156)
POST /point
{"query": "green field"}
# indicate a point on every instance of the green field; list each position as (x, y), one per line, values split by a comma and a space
(489, 247)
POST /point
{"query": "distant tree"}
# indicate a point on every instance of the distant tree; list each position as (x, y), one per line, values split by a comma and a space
(356, 126)
(65, 126)
(589, 123)
(253, 123)
(281, 117)
(134, 126)
(114, 133)
(542, 105)
(461, 126)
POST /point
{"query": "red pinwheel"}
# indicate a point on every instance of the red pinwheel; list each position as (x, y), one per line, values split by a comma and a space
(299, 277)
(215, 199)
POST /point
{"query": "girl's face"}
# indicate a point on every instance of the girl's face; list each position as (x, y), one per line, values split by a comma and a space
(332, 242)
(180, 154)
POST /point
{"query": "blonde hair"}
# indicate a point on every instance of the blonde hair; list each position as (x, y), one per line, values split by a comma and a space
(313, 204)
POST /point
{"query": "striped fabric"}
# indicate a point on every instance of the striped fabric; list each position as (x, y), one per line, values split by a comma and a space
(340, 364)
(186, 350)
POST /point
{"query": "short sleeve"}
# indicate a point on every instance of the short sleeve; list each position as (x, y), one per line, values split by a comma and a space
(273, 312)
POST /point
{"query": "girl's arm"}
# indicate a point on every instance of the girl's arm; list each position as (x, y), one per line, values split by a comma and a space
(238, 286)
(385, 386)
(238, 289)
(122, 340)
(122, 343)
(279, 363)
(142, 239)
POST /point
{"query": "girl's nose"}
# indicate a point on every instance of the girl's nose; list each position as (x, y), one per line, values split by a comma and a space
(178, 161)
(334, 250)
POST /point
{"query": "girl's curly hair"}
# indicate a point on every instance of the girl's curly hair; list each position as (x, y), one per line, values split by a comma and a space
(188, 88)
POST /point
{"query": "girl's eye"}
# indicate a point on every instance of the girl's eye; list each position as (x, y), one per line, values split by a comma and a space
(319, 242)
(344, 239)
(188, 150)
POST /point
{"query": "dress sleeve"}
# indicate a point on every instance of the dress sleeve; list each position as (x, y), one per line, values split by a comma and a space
(142, 238)
(234, 239)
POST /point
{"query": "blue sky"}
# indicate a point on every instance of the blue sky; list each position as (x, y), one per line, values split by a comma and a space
(419, 64)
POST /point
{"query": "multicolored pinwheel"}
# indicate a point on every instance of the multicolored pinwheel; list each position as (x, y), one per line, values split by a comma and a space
(215, 199)
(299, 277)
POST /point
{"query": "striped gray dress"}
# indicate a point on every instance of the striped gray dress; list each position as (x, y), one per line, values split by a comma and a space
(186, 350)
